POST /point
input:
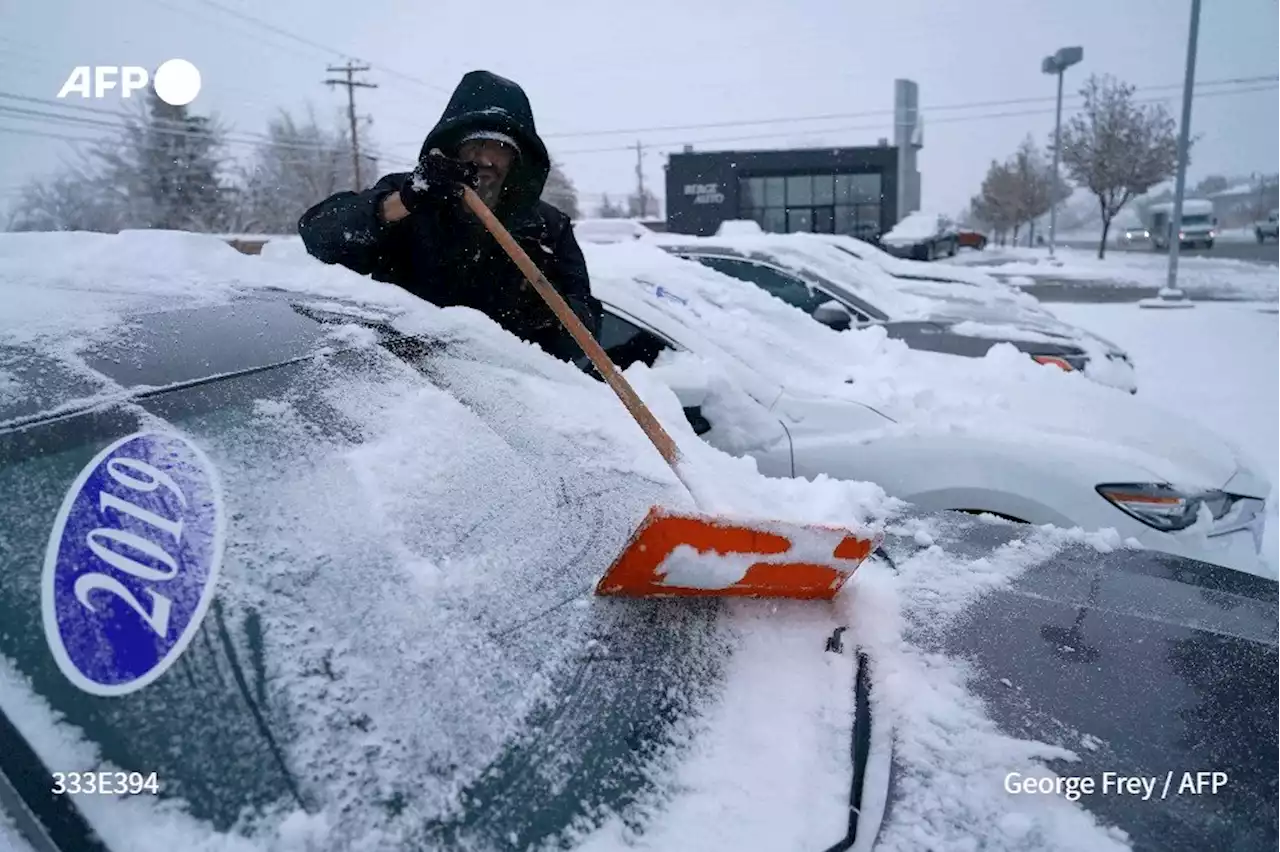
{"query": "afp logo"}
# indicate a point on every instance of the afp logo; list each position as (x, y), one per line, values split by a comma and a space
(177, 81)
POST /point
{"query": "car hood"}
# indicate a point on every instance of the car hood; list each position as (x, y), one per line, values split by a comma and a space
(1129, 662)
(1006, 398)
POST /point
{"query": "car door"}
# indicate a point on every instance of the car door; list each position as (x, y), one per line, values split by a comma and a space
(628, 339)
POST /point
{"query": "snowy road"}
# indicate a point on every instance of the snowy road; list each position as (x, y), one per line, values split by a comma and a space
(1215, 364)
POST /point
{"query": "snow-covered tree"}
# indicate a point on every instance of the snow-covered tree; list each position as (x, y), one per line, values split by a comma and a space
(996, 205)
(560, 192)
(161, 170)
(299, 164)
(1116, 148)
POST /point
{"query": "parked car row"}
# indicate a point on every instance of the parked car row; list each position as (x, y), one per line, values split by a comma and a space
(1070, 453)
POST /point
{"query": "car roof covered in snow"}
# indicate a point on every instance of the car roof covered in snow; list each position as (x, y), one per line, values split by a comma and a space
(610, 230)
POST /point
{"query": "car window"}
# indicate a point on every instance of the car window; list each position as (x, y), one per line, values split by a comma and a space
(788, 288)
(628, 343)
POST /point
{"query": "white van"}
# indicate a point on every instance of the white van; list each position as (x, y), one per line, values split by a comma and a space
(1199, 225)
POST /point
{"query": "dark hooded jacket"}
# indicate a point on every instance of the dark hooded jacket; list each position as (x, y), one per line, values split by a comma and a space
(446, 257)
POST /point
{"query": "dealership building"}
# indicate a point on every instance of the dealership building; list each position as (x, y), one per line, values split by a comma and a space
(862, 191)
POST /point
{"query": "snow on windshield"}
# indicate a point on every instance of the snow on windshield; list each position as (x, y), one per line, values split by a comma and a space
(393, 535)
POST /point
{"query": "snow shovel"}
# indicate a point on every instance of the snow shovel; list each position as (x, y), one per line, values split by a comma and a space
(680, 554)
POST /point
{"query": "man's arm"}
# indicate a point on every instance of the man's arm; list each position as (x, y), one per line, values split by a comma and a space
(348, 228)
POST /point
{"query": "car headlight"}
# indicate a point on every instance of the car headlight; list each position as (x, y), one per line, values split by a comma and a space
(1164, 507)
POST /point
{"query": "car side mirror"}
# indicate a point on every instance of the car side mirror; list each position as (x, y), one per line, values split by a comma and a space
(701, 425)
(833, 315)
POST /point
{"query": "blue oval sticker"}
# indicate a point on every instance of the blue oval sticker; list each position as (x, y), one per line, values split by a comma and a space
(132, 562)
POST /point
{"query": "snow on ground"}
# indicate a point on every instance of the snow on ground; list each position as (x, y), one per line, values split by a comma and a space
(1215, 364)
(1202, 277)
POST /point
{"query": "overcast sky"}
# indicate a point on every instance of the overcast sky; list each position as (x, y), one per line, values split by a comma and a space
(597, 65)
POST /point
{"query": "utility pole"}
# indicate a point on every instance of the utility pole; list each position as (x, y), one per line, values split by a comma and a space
(1171, 292)
(644, 211)
(1057, 64)
(351, 83)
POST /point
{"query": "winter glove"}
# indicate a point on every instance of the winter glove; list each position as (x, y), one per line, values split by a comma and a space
(436, 180)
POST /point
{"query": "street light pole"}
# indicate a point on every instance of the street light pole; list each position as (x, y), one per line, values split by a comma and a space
(1171, 291)
(1058, 64)
(1057, 151)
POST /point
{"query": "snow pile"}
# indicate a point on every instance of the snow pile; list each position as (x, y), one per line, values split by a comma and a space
(914, 228)
(1201, 276)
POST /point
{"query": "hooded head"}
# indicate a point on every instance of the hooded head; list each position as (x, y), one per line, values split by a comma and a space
(486, 106)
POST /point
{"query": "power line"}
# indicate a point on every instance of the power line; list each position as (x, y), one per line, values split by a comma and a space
(352, 84)
(878, 126)
(325, 48)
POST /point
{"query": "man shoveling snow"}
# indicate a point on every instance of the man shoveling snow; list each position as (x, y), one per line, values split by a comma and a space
(411, 229)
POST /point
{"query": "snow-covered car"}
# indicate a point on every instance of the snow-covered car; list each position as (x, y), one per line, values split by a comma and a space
(293, 561)
(610, 230)
(995, 434)
(841, 290)
(914, 270)
(922, 236)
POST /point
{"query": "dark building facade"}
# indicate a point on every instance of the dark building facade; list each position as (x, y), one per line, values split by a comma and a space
(850, 191)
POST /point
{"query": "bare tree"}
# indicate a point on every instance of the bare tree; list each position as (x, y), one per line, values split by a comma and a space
(1036, 188)
(636, 210)
(997, 205)
(300, 164)
(560, 192)
(610, 210)
(1116, 148)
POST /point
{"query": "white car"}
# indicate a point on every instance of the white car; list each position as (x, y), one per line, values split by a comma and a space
(995, 435)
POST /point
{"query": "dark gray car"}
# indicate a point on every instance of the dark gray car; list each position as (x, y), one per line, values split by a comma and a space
(956, 326)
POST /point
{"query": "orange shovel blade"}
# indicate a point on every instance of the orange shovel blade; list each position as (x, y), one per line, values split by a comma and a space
(676, 555)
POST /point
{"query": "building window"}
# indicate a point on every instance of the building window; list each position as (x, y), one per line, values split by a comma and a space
(820, 203)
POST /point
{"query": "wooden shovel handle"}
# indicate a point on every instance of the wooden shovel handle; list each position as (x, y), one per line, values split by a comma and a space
(643, 416)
